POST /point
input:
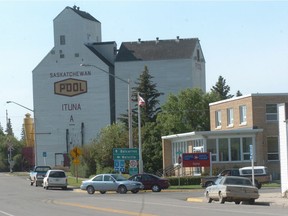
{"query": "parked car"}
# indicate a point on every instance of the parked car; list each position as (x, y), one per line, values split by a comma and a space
(110, 182)
(37, 175)
(232, 189)
(55, 178)
(151, 182)
(261, 175)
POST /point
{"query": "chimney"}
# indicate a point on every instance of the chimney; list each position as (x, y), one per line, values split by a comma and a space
(139, 41)
(177, 39)
(157, 40)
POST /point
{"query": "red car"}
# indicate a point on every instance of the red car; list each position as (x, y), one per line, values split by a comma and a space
(151, 182)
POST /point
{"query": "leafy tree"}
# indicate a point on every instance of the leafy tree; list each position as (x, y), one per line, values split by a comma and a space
(1, 130)
(189, 111)
(221, 89)
(9, 129)
(152, 148)
(110, 137)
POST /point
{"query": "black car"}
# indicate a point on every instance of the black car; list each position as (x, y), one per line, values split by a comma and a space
(151, 182)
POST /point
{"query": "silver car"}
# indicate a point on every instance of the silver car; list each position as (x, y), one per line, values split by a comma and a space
(232, 189)
(110, 182)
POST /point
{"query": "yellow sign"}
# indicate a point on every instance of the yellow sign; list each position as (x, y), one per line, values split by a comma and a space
(76, 152)
(76, 161)
(70, 87)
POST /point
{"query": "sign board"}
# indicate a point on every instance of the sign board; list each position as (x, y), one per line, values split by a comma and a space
(44, 154)
(196, 159)
(125, 154)
(75, 152)
(70, 87)
(133, 171)
(119, 165)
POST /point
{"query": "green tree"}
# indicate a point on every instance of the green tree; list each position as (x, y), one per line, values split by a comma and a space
(9, 129)
(1, 130)
(148, 91)
(186, 112)
(221, 89)
(113, 136)
(151, 147)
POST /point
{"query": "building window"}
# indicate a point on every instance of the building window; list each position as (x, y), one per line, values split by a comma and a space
(271, 112)
(230, 117)
(273, 149)
(62, 40)
(243, 113)
(218, 119)
(212, 148)
(246, 142)
(235, 149)
(223, 149)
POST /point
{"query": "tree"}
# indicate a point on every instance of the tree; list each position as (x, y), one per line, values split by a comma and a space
(101, 149)
(150, 94)
(186, 112)
(9, 129)
(221, 89)
(152, 148)
(1, 130)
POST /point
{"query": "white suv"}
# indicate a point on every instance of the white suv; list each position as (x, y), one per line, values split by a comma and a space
(55, 178)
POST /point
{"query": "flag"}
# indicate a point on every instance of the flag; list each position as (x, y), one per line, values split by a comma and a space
(141, 101)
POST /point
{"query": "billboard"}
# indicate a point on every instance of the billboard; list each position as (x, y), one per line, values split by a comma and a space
(196, 159)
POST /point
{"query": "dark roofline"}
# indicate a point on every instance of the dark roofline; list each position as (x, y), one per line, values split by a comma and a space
(99, 55)
(83, 14)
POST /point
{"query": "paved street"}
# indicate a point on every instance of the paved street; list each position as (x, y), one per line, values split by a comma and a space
(18, 198)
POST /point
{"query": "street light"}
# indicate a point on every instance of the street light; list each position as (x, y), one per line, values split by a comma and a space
(35, 144)
(20, 105)
(129, 100)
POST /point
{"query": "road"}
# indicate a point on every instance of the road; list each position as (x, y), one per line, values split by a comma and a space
(18, 198)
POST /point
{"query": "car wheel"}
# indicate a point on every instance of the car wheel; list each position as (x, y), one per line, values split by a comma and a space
(90, 190)
(209, 200)
(237, 202)
(122, 189)
(221, 198)
(102, 192)
(64, 188)
(251, 201)
(135, 191)
(156, 188)
(47, 188)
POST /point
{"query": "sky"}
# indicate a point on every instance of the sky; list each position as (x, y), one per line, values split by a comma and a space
(246, 42)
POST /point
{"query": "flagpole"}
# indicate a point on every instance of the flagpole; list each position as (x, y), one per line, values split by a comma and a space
(139, 137)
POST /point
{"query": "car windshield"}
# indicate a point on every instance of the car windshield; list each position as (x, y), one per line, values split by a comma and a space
(118, 177)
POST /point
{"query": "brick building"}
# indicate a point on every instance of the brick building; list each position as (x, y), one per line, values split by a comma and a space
(235, 124)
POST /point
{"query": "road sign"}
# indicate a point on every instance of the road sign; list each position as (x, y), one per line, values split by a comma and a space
(76, 161)
(133, 171)
(119, 165)
(125, 154)
(75, 152)
(133, 163)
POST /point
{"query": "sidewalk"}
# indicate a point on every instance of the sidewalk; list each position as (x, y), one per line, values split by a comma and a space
(272, 199)
(267, 199)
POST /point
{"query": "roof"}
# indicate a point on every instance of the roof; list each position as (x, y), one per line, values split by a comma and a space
(249, 95)
(83, 14)
(206, 134)
(157, 50)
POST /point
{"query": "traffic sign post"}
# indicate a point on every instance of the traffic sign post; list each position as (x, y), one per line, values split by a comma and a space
(125, 154)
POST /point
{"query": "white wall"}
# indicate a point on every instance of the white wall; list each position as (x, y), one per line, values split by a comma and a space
(283, 140)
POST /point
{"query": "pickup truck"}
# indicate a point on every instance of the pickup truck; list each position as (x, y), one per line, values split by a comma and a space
(261, 175)
(37, 175)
